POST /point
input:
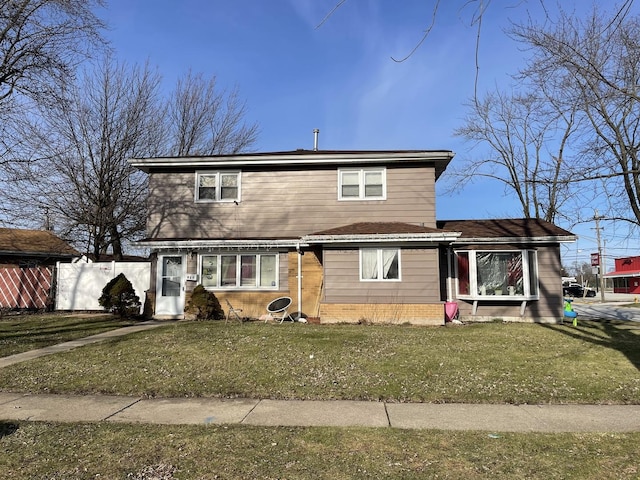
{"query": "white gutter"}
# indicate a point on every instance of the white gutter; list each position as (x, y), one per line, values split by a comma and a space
(493, 240)
(200, 244)
(399, 237)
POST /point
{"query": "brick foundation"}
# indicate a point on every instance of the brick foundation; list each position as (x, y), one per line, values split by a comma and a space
(414, 314)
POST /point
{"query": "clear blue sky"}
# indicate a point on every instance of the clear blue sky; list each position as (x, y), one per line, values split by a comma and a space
(340, 77)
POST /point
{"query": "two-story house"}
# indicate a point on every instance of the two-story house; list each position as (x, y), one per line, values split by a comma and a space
(349, 236)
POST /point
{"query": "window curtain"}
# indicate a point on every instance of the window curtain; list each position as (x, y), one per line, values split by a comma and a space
(390, 264)
(464, 286)
(228, 270)
(492, 272)
(369, 264)
(248, 270)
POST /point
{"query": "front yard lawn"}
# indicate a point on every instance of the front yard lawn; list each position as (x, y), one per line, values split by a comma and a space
(109, 451)
(20, 333)
(596, 362)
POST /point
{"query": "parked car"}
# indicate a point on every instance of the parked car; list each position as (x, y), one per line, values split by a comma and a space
(578, 291)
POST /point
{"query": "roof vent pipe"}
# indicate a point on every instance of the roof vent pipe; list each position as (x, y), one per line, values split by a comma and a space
(315, 139)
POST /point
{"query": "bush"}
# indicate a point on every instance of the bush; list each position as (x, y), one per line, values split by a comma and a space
(203, 305)
(118, 296)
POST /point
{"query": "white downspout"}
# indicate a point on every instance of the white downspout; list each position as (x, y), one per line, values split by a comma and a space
(449, 275)
(299, 278)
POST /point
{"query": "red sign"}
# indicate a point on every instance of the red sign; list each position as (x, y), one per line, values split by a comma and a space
(595, 259)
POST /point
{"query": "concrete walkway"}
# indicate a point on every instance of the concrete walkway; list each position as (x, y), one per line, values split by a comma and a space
(177, 411)
(66, 346)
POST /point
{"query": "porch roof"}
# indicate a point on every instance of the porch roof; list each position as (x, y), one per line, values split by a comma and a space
(507, 230)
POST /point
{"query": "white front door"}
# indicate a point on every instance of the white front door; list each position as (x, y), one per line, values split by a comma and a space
(170, 284)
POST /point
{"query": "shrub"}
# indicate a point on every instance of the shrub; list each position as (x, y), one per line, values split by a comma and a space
(203, 305)
(118, 296)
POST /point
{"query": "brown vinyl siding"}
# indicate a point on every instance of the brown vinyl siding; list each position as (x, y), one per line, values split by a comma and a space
(284, 203)
(419, 279)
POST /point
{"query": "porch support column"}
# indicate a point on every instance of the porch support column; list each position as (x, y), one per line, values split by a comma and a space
(449, 274)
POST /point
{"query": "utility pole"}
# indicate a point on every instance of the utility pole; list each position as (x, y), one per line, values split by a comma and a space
(600, 257)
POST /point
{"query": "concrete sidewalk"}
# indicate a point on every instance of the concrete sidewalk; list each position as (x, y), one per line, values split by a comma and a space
(181, 411)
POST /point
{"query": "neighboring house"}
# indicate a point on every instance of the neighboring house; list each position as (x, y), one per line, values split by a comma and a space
(626, 276)
(350, 236)
(27, 263)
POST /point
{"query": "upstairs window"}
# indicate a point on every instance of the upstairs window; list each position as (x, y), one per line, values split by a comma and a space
(362, 184)
(217, 186)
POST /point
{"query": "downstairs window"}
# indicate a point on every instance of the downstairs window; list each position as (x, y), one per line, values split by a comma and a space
(511, 274)
(246, 271)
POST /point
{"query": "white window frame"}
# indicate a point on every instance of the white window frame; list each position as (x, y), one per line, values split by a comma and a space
(530, 278)
(217, 175)
(362, 173)
(380, 261)
(237, 286)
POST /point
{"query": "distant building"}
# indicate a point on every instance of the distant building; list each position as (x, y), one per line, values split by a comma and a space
(626, 276)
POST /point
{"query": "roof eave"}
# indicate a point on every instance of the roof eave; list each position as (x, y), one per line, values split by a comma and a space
(293, 159)
(381, 238)
(621, 274)
(494, 240)
(16, 253)
(200, 244)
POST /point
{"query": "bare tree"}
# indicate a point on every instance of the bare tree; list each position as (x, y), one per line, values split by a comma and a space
(206, 121)
(598, 61)
(526, 141)
(41, 43)
(84, 181)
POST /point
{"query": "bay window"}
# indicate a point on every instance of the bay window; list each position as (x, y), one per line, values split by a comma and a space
(246, 271)
(509, 274)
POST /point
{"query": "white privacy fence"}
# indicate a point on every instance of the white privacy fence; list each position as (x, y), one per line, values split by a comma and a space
(79, 285)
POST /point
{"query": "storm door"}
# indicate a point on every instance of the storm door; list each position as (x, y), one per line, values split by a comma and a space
(170, 285)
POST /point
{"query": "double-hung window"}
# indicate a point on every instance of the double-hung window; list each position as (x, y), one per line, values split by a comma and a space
(511, 274)
(249, 271)
(217, 186)
(362, 184)
(379, 264)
